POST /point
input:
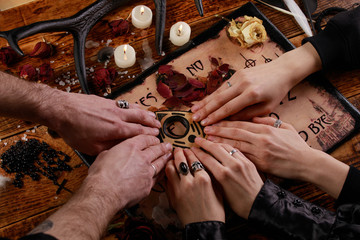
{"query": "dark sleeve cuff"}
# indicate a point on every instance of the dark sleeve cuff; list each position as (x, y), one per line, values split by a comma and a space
(282, 213)
(209, 230)
(338, 44)
(38, 236)
(350, 192)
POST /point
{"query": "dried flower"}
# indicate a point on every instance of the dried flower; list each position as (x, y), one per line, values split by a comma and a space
(119, 27)
(43, 50)
(46, 73)
(104, 77)
(8, 56)
(248, 32)
(28, 72)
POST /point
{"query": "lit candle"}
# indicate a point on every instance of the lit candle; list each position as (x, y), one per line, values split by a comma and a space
(180, 33)
(125, 56)
(141, 16)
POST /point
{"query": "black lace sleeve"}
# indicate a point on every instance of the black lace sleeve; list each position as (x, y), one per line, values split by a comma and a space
(338, 44)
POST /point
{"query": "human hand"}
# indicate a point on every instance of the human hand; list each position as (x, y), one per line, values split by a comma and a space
(92, 124)
(257, 91)
(235, 173)
(192, 195)
(281, 152)
(124, 174)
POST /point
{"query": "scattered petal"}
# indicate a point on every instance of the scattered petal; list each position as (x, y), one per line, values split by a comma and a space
(164, 90)
(46, 73)
(28, 72)
(8, 56)
(43, 50)
(119, 27)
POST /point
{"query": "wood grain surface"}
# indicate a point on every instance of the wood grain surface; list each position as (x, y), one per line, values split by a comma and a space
(22, 209)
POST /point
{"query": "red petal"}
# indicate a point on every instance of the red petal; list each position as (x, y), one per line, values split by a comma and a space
(224, 68)
(166, 69)
(214, 82)
(28, 72)
(164, 90)
(119, 27)
(196, 83)
(184, 92)
(194, 96)
(214, 61)
(112, 75)
(42, 50)
(177, 81)
(45, 72)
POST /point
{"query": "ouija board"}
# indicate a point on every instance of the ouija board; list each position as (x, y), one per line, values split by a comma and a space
(321, 115)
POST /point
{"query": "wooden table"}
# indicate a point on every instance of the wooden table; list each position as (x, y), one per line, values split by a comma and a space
(22, 209)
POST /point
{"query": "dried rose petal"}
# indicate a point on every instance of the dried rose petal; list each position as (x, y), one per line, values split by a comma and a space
(224, 68)
(28, 72)
(46, 73)
(104, 77)
(196, 83)
(119, 27)
(166, 69)
(173, 102)
(8, 56)
(164, 90)
(214, 61)
(214, 81)
(42, 50)
(177, 81)
(184, 92)
(194, 96)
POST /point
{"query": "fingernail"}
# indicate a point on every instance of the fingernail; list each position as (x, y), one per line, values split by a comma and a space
(195, 108)
(208, 129)
(151, 114)
(196, 117)
(156, 131)
(158, 124)
(205, 121)
(168, 155)
(168, 146)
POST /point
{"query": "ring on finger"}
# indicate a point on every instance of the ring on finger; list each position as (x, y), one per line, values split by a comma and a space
(155, 170)
(122, 104)
(196, 166)
(277, 123)
(232, 152)
(183, 169)
(228, 83)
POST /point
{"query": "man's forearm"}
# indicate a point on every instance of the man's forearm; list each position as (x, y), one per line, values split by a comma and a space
(85, 216)
(27, 100)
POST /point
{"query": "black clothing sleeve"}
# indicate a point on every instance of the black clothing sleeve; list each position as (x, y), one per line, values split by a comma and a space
(288, 217)
(339, 43)
(210, 230)
(350, 192)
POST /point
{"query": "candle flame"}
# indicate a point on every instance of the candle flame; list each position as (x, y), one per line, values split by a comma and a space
(125, 48)
(142, 10)
(180, 30)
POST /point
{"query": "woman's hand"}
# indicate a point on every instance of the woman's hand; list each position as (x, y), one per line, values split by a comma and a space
(257, 91)
(192, 195)
(281, 152)
(234, 172)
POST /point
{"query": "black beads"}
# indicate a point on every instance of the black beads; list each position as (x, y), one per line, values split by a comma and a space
(33, 158)
(315, 210)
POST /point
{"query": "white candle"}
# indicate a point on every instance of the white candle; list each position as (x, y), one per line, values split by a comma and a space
(180, 33)
(125, 56)
(141, 16)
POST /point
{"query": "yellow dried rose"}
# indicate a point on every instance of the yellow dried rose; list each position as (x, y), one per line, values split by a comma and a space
(249, 32)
